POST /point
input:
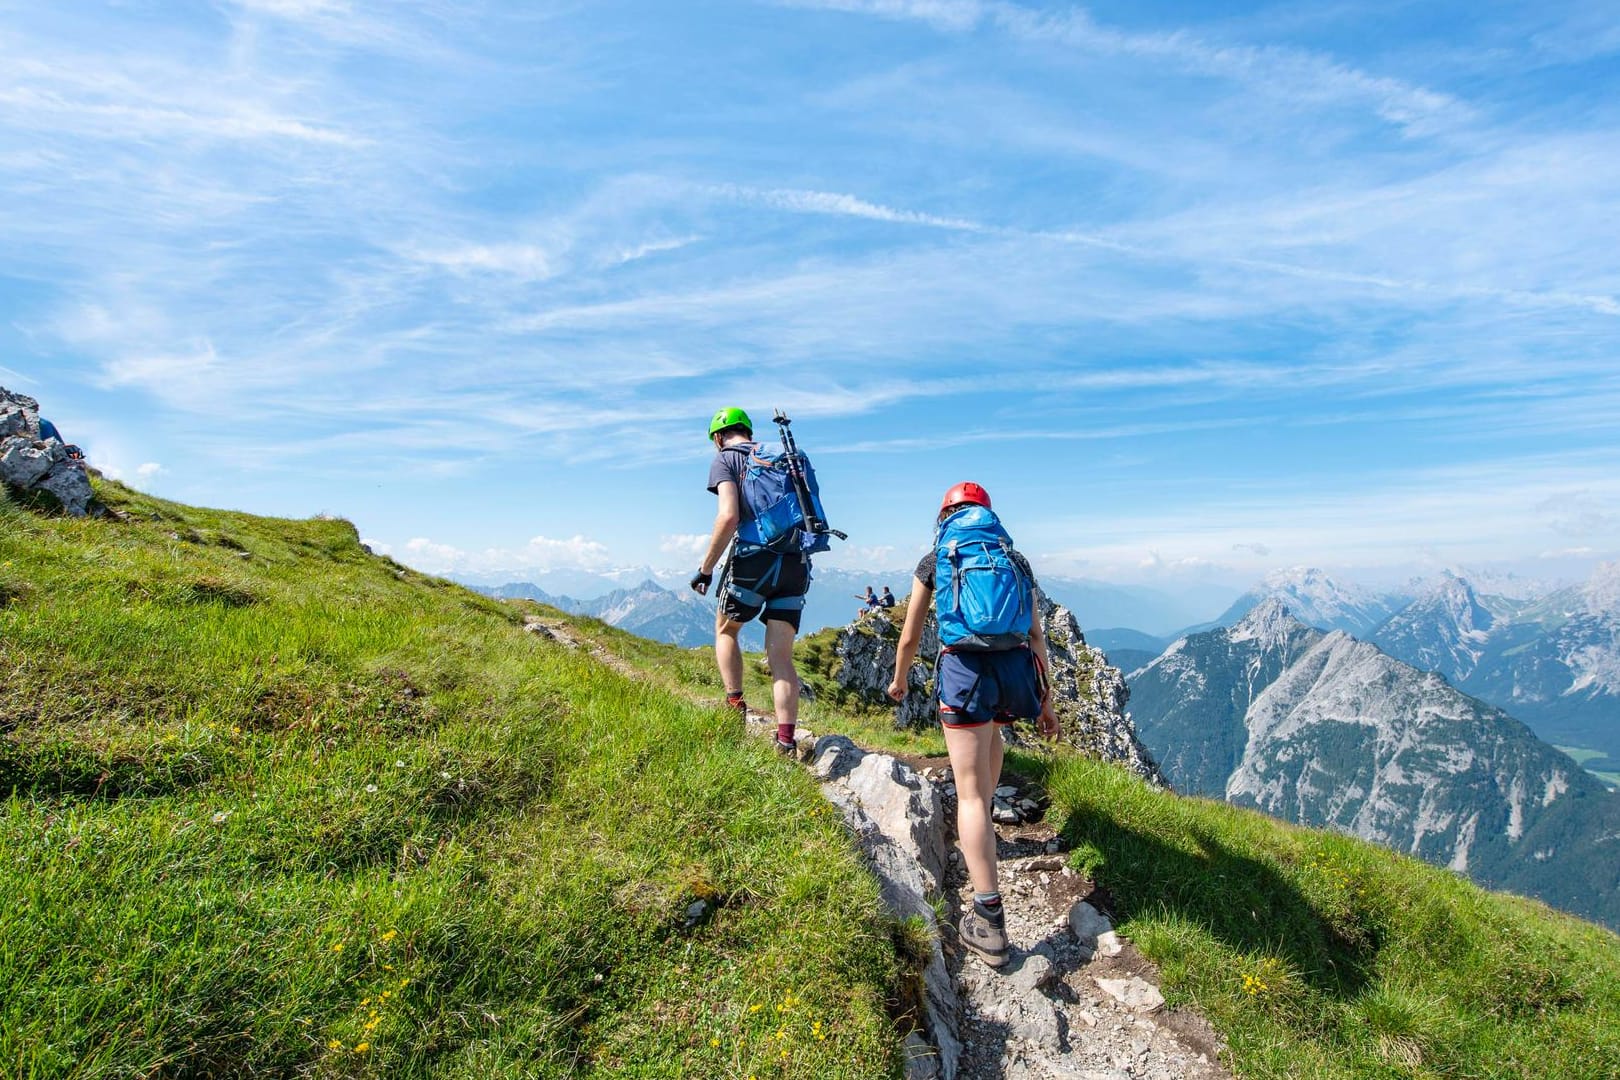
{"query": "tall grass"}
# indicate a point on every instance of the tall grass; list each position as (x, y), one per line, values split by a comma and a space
(274, 806)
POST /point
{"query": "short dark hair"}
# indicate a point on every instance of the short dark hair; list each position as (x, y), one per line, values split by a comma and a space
(739, 429)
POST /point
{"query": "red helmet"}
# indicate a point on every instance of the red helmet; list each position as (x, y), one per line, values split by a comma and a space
(966, 492)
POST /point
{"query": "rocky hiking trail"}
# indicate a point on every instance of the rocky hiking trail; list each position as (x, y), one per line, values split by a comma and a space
(1074, 999)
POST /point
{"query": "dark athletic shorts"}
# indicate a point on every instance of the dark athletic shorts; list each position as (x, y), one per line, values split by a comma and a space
(762, 584)
(978, 687)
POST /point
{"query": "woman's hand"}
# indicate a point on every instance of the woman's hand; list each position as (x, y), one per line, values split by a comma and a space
(1047, 723)
(897, 687)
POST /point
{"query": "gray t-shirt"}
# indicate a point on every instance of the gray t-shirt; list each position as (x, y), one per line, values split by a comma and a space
(928, 564)
(730, 464)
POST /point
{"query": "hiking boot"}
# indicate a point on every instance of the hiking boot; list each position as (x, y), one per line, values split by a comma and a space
(985, 937)
(786, 747)
(735, 701)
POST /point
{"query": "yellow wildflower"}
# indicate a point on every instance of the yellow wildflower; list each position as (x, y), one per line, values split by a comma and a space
(334, 1045)
(338, 947)
(362, 1047)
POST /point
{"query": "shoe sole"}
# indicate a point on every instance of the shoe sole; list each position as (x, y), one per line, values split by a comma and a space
(994, 960)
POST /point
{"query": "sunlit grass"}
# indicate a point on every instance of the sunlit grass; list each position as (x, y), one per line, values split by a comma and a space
(1319, 955)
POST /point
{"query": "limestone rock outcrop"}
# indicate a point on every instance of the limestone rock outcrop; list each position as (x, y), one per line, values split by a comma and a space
(897, 819)
(29, 462)
(1089, 696)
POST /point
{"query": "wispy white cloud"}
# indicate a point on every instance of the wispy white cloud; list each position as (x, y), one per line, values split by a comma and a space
(685, 545)
(526, 261)
(1295, 74)
(86, 96)
(158, 373)
(540, 554)
(842, 205)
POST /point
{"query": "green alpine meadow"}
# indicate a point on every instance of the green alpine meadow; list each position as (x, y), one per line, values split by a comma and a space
(275, 806)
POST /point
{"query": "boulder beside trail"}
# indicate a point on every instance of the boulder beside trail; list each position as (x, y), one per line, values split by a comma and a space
(897, 819)
(29, 462)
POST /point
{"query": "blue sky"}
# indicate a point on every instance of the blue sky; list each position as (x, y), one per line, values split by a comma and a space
(1194, 294)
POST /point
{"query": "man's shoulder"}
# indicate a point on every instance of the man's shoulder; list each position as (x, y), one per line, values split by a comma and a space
(729, 459)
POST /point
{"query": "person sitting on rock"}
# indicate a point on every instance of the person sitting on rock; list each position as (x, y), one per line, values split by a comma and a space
(887, 599)
(991, 671)
(48, 432)
(869, 602)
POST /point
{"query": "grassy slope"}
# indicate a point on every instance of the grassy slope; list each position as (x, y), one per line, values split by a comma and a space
(148, 686)
(1320, 955)
(1317, 954)
(306, 812)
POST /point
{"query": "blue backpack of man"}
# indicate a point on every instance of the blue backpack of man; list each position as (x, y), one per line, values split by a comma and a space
(777, 519)
(983, 602)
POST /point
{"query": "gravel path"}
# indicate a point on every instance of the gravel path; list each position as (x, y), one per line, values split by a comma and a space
(1049, 1012)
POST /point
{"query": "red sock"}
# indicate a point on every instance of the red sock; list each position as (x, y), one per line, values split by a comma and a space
(784, 733)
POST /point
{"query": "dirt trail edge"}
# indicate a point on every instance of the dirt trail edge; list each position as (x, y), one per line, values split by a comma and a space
(1074, 1000)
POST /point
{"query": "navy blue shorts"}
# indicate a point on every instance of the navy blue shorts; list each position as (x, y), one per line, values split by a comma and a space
(978, 687)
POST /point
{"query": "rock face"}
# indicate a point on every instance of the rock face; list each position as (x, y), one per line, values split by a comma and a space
(31, 463)
(865, 652)
(1323, 729)
(1089, 695)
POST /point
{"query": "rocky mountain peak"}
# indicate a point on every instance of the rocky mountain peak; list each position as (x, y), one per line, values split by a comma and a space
(1270, 624)
(1602, 590)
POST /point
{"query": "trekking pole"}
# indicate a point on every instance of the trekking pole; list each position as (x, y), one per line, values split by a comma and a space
(801, 485)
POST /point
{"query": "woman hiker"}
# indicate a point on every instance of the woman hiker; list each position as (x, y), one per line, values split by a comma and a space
(991, 672)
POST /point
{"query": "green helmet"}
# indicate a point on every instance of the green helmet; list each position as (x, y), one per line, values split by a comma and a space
(732, 417)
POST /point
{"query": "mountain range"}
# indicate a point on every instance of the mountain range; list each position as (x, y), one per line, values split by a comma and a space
(1548, 656)
(648, 609)
(1320, 728)
(1552, 661)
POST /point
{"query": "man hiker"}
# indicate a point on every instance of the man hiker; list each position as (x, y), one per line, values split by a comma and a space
(869, 602)
(887, 599)
(759, 581)
(991, 672)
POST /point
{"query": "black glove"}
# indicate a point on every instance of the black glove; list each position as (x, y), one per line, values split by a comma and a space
(700, 582)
